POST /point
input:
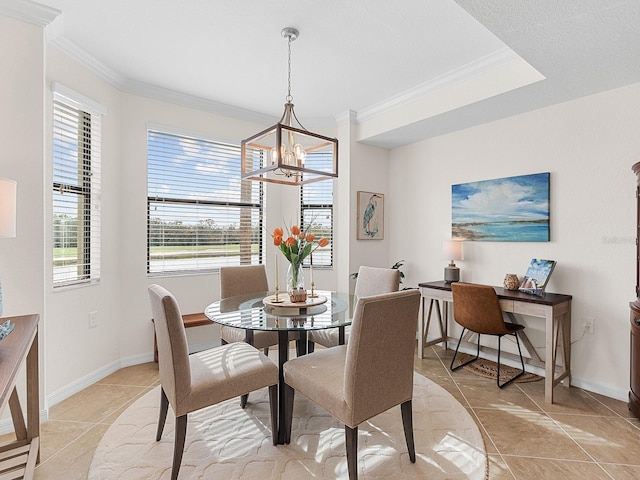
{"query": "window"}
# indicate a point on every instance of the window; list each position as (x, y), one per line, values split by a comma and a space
(76, 190)
(316, 209)
(201, 215)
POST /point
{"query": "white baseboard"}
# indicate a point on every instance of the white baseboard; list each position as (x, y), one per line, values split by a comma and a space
(606, 390)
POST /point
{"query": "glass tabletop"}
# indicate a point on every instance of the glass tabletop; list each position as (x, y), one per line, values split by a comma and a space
(250, 312)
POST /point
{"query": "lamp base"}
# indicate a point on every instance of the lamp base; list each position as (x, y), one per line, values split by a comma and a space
(451, 274)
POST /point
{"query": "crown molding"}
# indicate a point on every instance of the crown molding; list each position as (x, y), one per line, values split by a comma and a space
(446, 80)
(28, 11)
(86, 59)
(199, 103)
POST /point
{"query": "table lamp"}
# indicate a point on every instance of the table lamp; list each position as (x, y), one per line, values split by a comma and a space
(451, 250)
(7, 214)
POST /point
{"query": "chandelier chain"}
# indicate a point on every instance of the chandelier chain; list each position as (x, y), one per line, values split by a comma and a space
(289, 97)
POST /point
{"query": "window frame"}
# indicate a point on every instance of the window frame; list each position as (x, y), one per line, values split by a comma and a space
(88, 115)
(204, 202)
(306, 207)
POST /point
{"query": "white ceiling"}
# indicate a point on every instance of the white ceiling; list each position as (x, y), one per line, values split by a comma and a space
(364, 56)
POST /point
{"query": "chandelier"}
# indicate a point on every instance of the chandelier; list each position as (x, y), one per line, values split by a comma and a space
(287, 153)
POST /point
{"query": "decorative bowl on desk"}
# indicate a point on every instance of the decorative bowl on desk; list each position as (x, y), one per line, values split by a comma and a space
(511, 281)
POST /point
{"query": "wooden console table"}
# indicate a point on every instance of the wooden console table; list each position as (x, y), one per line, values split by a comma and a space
(18, 459)
(554, 308)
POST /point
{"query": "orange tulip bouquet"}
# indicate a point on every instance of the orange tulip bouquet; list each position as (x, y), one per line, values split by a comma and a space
(297, 246)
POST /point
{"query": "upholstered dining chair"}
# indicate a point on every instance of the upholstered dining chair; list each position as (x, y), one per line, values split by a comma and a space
(366, 377)
(192, 382)
(477, 308)
(371, 281)
(238, 281)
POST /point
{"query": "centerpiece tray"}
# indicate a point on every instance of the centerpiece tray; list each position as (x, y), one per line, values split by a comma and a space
(285, 302)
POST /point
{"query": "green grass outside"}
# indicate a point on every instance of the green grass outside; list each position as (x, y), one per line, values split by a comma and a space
(61, 256)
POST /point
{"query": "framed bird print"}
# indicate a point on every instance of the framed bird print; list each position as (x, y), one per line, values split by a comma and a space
(370, 216)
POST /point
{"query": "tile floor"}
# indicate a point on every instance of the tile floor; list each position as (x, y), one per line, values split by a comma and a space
(581, 436)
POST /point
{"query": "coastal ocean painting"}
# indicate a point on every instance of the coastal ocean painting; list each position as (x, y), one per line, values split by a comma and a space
(511, 209)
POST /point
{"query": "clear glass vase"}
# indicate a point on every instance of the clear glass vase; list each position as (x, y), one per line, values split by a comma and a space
(295, 278)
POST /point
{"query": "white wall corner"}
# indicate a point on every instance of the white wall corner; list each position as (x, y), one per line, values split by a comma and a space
(348, 117)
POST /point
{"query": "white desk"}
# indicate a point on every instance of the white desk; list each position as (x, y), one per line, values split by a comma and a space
(554, 308)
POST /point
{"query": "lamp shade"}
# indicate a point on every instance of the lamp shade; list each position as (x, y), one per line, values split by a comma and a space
(8, 190)
(452, 250)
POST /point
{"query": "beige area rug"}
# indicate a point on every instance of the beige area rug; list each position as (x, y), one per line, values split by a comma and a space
(225, 442)
(489, 369)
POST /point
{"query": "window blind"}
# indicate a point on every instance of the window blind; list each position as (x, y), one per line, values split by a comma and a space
(201, 215)
(76, 193)
(316, 209)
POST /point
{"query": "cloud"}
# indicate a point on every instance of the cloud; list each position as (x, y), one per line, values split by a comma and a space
(500, 201)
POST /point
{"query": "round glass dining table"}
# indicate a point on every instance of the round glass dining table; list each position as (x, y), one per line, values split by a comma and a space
(262, 311)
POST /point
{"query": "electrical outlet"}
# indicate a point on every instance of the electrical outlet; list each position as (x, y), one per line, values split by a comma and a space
(589, 324)
(93, 319)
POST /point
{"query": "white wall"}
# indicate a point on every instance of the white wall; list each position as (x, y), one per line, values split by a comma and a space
(588, 146)
(73, 350)
(369, 173)
(21, 159)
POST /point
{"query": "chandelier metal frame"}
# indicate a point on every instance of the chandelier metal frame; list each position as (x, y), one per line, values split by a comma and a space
(278, 153)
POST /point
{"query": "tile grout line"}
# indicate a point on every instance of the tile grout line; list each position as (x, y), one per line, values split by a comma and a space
(475, 415)
(567, 433)
(92, 424)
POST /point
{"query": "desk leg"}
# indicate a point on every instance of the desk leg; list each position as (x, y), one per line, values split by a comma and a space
(33, 394)
(558, 335)
(17, 416)
(550, 362)
(566, 345)
(283, 356)
(424, 328)
(421, 334)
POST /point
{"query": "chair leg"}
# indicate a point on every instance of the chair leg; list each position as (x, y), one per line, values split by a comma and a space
(351, 441)
(164, 406)
(453, 360)
(289, 395)
(521, 361)
(243, 400)
(311, 346)
(273, 405)
(407, 423)
(266, 351)
(178, 448)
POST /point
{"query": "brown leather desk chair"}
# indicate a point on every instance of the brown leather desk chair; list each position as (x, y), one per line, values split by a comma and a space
(477, 308)
(368, 376)
(192, 382)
